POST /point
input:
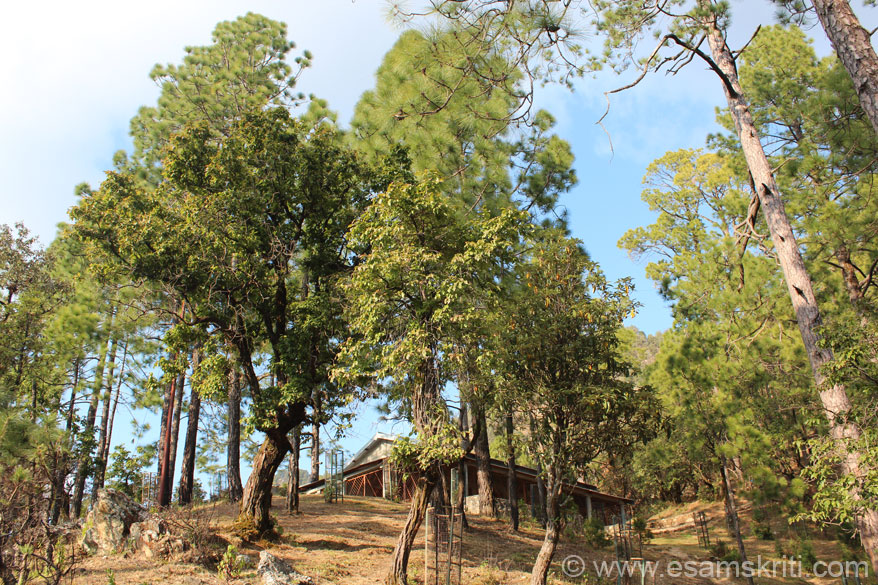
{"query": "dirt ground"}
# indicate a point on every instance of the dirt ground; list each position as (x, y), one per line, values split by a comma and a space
(350, 543)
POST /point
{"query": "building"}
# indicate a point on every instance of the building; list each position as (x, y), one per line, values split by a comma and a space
(370, 473)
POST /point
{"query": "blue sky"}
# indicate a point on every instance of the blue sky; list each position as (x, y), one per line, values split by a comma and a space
(77, 72)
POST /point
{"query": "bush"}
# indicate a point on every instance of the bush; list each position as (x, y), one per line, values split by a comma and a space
(762, 530)
(803, 550)
(594, 533)
(232, 564)
(722, 552)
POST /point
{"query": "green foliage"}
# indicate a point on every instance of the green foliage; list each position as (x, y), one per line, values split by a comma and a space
(231, 566)
(250, 230)
(244, 69)
(455, 127)
(561, 367)
(595, 534)
(124, 471)
(427, 270)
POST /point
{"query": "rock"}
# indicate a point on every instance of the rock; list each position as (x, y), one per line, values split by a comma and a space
(108, 523)
(244, 561)
(276, 572)
(116, 522)
(151, 538)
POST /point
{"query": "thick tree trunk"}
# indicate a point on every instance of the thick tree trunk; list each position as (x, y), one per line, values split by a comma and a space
(483, 463)
(732, 513)
(164, 491)
(233, 449)
(256, 500)
(162, 428)
(187, 470)
(293, 481)
(83, 467)
(417, 511)
(175, 428)
(511, 478)
(853, 45)
(834, 397)
(540, 571)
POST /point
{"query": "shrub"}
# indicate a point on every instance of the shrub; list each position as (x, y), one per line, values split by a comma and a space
(594, 533)
(640, 527)
(231, 565)
(803, 550)
(762, 531)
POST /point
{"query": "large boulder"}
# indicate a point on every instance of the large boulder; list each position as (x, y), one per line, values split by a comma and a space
(117, 523)
(108, 523)
(276, 572)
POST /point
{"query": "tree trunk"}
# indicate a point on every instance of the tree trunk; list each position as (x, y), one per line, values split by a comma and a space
(175, 428)
(233, 450)
(853, 45)
(315, 449)
(732, 513)
(460, 504)
(58, 507)
(83, 467)
(834, 397)
(511, 479)
(187, 469)
(106, 455)
(162, 428)
(109, 413)
(293, 481)
(552, 511)
(164, 495)
(483, 462)
(417, 511)
(256, 500)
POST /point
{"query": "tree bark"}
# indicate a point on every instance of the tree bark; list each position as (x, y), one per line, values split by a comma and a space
(107, 401)
(83, 467)
(511, 478)
(187, 469)
(853, 45)
(106, 455)
(58, 507)
(417, 511)
(175, 428)
(552, 512)
(164, 495)
(732, 513)
(460, 502)
(483, 462)
(256, 500)
(233, 450)
(834, 397)
(293, 481)
(315, 444)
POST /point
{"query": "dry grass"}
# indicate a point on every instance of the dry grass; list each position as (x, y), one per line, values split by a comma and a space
(350, 543)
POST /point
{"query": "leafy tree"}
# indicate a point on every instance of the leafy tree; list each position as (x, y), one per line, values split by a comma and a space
(453, 126)
(426, 274)
(562, 368)
(248, 231)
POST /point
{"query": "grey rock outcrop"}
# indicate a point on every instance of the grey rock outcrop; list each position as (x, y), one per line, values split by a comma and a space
(276, 572)
(108, 523)
(116, 523)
